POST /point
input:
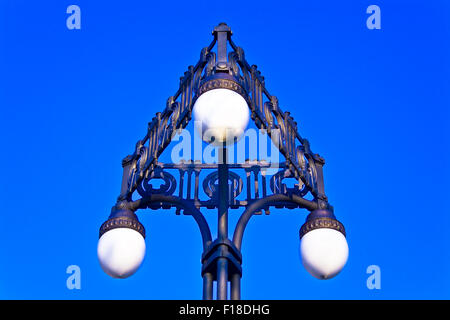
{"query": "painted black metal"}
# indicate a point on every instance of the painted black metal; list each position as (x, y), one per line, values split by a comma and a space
(321, 218)
(222, 225)
(222, 80)
(264, 107)
(208, 286)
(189, 209)
(122, 218)
(261, 203)
(235, 286)
(223, 187)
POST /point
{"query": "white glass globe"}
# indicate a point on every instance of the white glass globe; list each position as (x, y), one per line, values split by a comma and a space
(121, 252)
(223, 114)
(324, 252)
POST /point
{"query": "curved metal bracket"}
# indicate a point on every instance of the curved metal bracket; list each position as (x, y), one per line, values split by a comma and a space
(189, 208)
(263, 202)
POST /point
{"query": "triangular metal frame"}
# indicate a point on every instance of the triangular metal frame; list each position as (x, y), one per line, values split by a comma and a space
(266, 113)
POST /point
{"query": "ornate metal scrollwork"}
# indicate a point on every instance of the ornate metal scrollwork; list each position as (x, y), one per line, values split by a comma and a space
(278, 187)
(222, 83)
(145, 188)
(211, 63)
(138, 161)
(210, 185)
(302, 163)
(322, 223)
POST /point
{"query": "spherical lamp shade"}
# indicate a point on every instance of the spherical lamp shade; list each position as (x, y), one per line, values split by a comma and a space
(323, 245)
(121, 247)
(222, 111)
(324, 252)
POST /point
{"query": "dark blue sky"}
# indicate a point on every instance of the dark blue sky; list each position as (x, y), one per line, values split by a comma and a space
(373, 103)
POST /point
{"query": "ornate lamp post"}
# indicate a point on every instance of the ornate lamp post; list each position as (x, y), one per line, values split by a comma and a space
(221, 90)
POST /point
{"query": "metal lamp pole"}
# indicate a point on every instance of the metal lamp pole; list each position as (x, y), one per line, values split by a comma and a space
(221, 258)
(222, 226)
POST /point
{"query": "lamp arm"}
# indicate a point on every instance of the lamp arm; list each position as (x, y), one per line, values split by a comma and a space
(263, 202)
(189, 209)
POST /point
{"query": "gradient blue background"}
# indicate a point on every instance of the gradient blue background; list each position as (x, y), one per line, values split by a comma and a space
(374, 103)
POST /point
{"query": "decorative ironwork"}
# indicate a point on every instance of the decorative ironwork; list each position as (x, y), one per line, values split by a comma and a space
(277, 185)
(230, 84)
(122, 222)
(145, 188)
(211, 185)
(248, 182)
(322, 223)
(265, 111)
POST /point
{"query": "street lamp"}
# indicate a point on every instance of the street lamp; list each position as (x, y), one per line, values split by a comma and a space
(323, 246)
(222, 91)
(121, 247)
